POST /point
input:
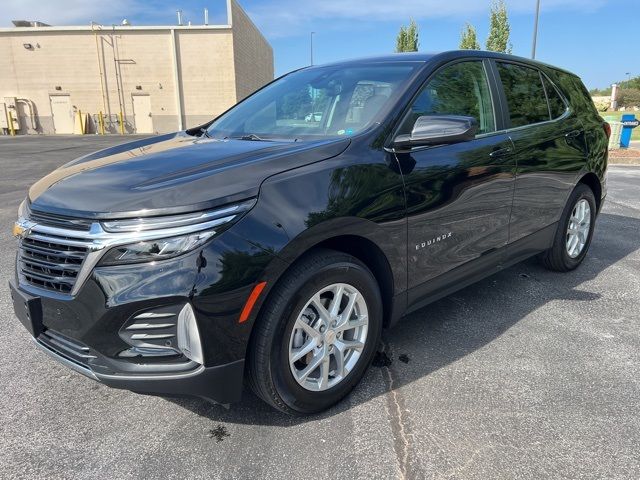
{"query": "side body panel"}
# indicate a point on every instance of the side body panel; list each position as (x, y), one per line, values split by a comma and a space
(358, 194)
(458, 206)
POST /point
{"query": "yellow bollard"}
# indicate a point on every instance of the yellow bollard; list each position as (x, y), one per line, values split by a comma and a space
(10, 122)
(101, 123)
(80, 122)
(121, 124)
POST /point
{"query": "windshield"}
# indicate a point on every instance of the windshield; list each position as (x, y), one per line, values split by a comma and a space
(315, 103)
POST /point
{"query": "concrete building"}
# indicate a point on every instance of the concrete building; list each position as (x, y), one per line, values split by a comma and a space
(161, 78)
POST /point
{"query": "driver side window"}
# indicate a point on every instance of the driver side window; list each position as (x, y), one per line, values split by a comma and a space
(458, 89)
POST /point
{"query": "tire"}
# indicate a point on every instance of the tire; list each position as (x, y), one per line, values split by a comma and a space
(273, 343)
(558, 258)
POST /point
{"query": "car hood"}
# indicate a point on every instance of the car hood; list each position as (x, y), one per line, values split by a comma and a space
(170, 174)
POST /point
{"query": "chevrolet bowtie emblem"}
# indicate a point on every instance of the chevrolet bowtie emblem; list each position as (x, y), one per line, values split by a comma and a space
(20, 230)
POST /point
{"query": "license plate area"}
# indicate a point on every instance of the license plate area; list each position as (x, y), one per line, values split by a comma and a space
(28, 309)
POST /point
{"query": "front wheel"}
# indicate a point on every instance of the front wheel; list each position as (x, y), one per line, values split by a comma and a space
(317, 333)
(574, 233)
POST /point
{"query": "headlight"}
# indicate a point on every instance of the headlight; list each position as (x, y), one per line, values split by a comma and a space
(151, 250)
(159, 238)
(210, 218)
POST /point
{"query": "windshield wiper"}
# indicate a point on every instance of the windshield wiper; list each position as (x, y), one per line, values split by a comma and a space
(205, 133)
(250, 136)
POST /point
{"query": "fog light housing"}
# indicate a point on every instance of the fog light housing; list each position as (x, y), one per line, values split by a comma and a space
(189, 336)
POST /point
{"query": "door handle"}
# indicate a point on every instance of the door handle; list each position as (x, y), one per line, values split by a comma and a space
(573, 134)
(500, 152)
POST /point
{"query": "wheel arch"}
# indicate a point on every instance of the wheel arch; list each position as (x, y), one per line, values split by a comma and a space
(592, 181)
(374, 258)
(358, 246)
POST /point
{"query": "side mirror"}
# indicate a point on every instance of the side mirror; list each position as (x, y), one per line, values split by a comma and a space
(439, 129)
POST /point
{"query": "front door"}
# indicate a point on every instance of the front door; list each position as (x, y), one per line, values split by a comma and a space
(62, 114)
(142, 113)
(458, 196)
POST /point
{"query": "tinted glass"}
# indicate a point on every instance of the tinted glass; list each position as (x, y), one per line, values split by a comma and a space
(459, 89)
(525, 94)
(316, 103)
(557, 107)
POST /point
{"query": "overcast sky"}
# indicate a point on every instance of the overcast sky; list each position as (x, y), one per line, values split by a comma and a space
(585, 36)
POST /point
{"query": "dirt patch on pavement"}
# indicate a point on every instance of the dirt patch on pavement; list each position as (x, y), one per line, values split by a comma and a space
(628, 156)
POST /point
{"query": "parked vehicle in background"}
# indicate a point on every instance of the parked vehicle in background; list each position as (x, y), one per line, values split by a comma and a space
(259, 248)
(314, 117)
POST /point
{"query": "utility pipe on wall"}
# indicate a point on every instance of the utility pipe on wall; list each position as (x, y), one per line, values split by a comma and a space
(116, 67)
(176, 77)
(32, 113)
(104, 102)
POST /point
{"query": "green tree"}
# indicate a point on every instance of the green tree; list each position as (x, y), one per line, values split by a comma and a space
(468, 38)
(628, 97)
(498, 39)
(633, 83)
(407, 39)
(295, 104)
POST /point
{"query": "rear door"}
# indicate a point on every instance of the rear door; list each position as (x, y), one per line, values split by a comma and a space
(549, 145)
(458, 196)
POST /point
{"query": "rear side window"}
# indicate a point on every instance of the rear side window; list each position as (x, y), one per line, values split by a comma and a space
(525, 94)
(557, 107)
(458, 89)
(575, 92)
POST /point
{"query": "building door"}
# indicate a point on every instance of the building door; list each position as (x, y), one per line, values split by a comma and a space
(61, 113)
(142, 113)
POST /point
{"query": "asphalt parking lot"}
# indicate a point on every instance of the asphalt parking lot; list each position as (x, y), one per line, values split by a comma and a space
(527, 374)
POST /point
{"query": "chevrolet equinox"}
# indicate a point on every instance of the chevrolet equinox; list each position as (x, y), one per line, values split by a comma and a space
(273, 244)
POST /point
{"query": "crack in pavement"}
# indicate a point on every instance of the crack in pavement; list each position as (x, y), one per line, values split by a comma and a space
(396, 412)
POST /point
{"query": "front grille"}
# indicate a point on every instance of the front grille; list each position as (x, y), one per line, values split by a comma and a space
(52, 261)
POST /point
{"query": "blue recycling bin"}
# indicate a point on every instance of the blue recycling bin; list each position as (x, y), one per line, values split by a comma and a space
(629, 122)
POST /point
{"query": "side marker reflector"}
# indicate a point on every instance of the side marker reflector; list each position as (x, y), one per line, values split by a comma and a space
(255, 293)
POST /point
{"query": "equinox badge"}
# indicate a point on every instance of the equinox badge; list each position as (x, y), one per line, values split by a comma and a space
(437, 239)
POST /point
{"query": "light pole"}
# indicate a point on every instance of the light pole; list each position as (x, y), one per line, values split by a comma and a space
(535, 30)
(311, 48)
(628, 74)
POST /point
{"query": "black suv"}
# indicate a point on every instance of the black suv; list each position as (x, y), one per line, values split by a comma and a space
(274, 243)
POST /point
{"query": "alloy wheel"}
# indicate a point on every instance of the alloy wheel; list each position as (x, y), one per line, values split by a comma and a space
(578, 228)
(328, 337)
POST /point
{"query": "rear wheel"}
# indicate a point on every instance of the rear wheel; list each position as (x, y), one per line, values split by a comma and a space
(316, 334)
(574, 233)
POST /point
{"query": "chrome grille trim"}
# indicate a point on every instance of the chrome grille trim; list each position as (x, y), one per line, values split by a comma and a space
(60, 259)
(60, 221)
(55, 220)
(52, 258)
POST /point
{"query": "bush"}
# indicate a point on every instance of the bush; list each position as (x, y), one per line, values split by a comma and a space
(602, 106)
(628, 97)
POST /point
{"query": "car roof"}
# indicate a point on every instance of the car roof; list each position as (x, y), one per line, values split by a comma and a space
(438, 57)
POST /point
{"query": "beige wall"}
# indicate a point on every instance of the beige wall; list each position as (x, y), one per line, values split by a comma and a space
(216, 66)
(206, 74)
(253, 55)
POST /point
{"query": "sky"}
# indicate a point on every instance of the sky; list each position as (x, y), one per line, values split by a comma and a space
(597, 39)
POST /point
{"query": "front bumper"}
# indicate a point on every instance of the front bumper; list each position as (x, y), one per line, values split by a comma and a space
(222, 383)
(88, 332)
